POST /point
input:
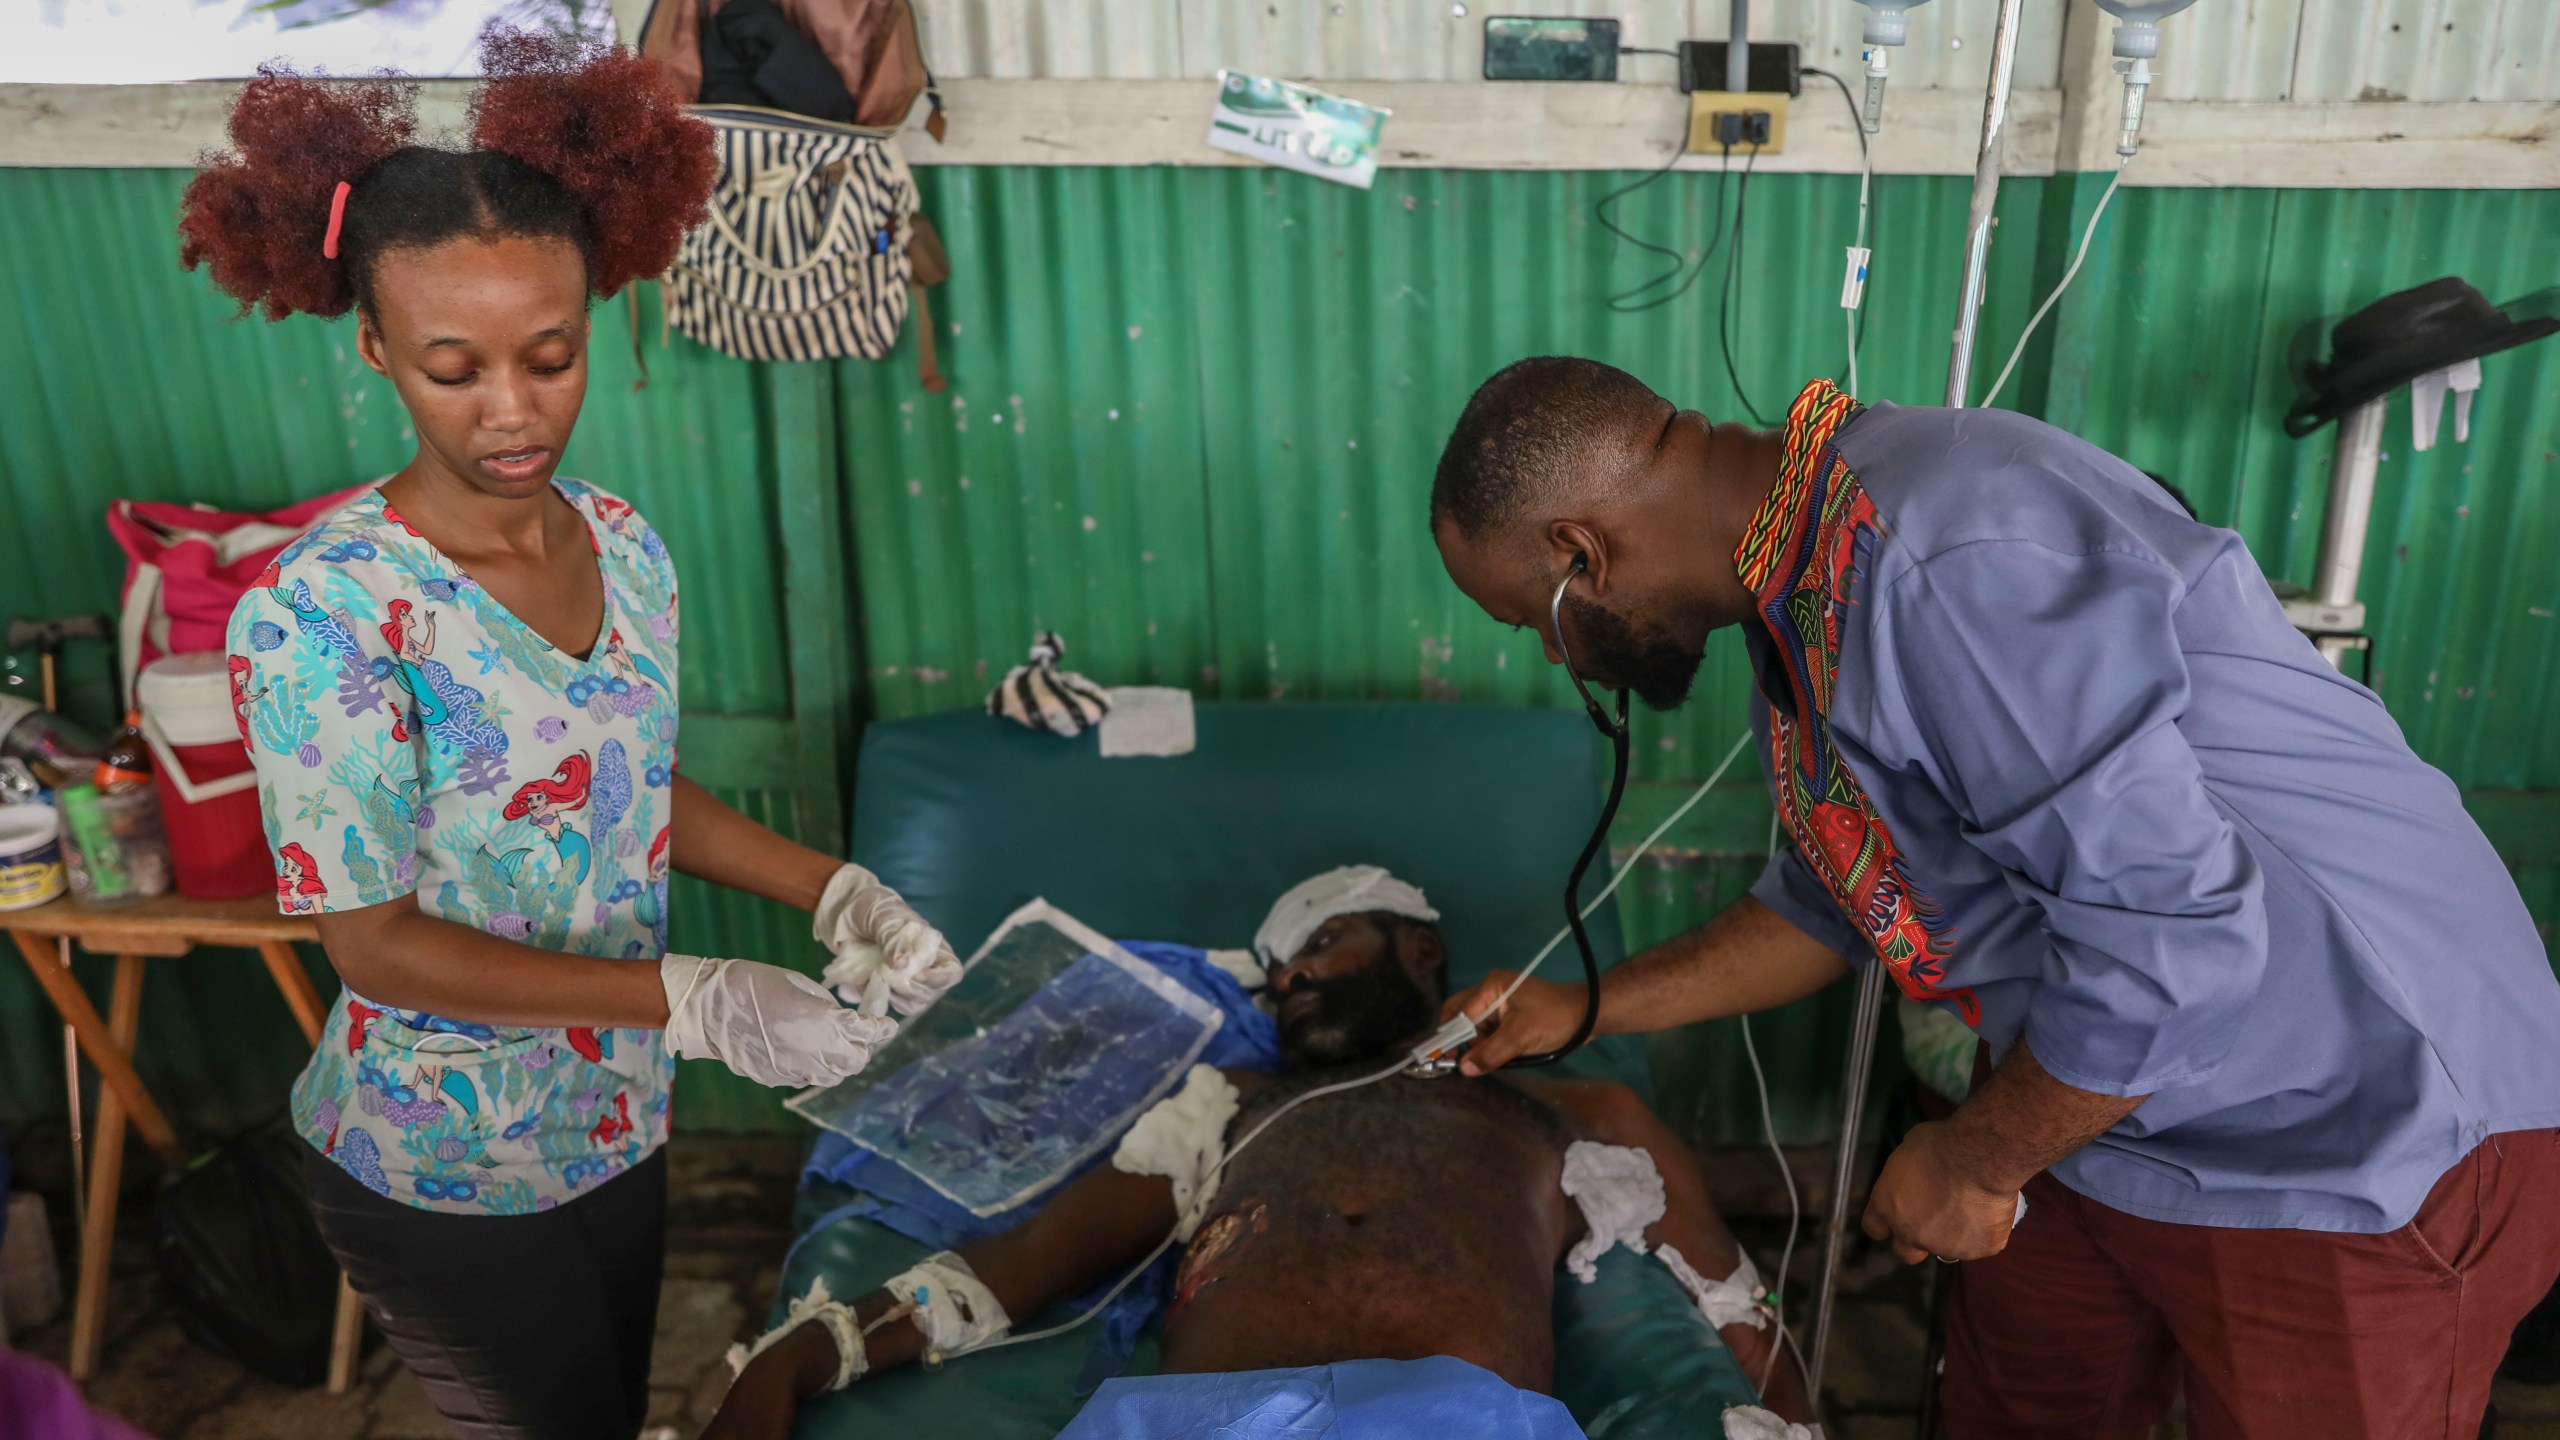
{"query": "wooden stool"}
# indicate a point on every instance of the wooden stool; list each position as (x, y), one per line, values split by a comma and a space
(167, 927)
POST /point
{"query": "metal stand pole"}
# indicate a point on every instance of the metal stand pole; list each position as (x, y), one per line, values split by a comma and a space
(1862, 1038)
(70, 1037)
(1986, 192)
(1737, 49)
(2344, 525)
(1844, 1160)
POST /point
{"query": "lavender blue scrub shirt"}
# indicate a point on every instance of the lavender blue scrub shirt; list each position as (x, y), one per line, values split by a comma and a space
(2177, 852)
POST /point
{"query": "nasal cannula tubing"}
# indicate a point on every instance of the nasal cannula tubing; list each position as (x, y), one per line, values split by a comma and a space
(1425, 1050)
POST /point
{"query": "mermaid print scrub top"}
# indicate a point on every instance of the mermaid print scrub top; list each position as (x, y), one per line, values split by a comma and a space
(411, 736)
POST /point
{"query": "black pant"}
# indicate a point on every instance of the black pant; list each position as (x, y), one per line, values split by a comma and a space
(521, 1327)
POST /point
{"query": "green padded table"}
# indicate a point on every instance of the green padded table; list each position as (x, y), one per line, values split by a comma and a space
(971, 817)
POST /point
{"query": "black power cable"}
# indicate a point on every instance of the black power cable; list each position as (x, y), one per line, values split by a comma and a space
(1732, 265)
(1626, 302)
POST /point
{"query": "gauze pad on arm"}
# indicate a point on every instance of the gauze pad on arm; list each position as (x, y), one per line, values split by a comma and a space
(1183, 1137)
(1620, 1192)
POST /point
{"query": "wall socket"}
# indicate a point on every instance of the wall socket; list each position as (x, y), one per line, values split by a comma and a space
(1720, 120)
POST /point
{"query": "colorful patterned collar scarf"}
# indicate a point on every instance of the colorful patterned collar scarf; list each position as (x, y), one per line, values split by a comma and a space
(1797, 555)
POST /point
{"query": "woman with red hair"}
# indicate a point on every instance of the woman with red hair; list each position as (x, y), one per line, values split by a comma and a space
(511, 1247)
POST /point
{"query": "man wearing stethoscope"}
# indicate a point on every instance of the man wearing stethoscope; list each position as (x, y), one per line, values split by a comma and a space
(2270, 1022)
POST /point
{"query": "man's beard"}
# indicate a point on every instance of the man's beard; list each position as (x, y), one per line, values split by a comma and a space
(1358, 1017)
(1642, 659)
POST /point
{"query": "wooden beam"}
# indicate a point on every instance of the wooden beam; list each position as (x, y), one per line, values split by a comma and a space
(106, 1176)
(284, 966)
(1476, 125)
(1471, 125)
(112, 1060)
(2350, 145)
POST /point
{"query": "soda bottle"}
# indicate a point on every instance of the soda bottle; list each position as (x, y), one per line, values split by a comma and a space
(127, 762)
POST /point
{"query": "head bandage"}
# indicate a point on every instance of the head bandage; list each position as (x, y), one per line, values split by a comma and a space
(1620, 1193)
(1183, 1137)
(1351, 890)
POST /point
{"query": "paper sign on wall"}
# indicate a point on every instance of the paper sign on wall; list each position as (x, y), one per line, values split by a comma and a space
(1296, 128)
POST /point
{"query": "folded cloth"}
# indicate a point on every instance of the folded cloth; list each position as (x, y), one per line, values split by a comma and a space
(1038, 694)
(1352, 1400)
(1246, 1039)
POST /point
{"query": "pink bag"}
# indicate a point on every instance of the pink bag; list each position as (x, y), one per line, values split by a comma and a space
(189, 564)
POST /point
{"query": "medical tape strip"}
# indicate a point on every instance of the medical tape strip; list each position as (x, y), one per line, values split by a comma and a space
(1183, 1137)
(1620, 1192)
(953, 1307)
(852, 1360)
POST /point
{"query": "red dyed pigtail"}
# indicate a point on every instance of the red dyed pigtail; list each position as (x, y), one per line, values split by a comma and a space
(611, 128)
(258, 216)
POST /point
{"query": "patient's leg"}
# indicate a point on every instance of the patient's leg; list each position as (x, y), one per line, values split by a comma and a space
(1616, 1115)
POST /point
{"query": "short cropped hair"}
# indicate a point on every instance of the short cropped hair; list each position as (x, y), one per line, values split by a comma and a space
(1526, 435)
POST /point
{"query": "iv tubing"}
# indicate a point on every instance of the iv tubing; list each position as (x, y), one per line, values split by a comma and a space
(2087, 232)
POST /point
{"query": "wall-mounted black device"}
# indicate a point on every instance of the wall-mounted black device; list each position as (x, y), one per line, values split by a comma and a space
(1524, 47)
(1774, 67)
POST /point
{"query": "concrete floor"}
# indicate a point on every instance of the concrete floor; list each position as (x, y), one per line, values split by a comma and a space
(728, 1223)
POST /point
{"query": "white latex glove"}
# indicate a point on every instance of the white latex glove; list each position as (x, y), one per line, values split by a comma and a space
(887, 957)
(774, 1026)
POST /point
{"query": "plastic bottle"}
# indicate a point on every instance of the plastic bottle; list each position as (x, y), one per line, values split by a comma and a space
(127, 762)
(118, 852)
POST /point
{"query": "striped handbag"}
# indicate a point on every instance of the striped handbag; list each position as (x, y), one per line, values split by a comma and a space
(805, 254)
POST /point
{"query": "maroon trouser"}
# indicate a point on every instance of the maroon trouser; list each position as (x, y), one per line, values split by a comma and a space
(2085, 1324)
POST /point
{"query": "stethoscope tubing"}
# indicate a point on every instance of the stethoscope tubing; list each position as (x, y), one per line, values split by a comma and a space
(1616, 730)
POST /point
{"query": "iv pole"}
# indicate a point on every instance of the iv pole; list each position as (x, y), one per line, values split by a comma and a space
(1871, 985)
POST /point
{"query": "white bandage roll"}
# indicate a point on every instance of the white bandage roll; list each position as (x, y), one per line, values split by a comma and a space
(852, 1361)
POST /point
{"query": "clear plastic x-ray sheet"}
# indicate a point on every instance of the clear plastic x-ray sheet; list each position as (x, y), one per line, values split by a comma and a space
(1049, 1048)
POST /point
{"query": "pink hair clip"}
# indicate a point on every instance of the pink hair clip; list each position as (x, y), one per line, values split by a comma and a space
(337, 218)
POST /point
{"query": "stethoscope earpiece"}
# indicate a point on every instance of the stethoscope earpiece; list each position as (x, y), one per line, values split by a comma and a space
(1614, 729)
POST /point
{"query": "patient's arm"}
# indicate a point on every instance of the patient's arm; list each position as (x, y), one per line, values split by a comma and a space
(1102, 1223)
(1615, 1115)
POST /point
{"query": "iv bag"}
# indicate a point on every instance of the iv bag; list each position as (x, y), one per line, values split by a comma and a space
(1051, 1046)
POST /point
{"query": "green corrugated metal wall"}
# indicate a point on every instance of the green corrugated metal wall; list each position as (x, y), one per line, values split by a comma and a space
(1191, 424)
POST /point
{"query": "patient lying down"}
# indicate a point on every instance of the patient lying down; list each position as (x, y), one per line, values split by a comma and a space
(1408, 1219)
